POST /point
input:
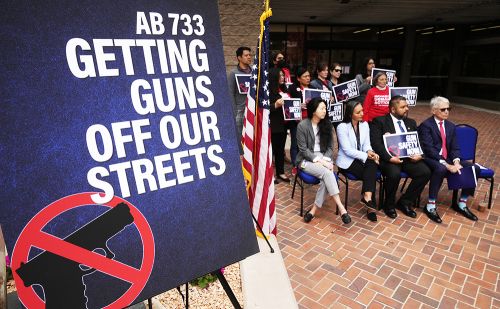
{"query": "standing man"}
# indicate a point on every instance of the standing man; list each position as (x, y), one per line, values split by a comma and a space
(442, 155)
(244, 56)
(397, 121)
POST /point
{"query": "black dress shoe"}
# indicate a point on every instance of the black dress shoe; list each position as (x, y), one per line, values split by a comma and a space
(372, 216)
(465, 212)
(407, 210)
(308, 217)
(433, 215)
(369, 203)
(391, 213)
(346, 218)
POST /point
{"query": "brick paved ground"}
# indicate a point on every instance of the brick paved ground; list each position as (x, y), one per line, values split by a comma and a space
(401, 263)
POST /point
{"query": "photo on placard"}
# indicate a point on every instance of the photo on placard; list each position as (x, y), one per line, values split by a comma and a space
(345, 91)
(309, 94)
(402, 145)
(291, 109)
(243, 82)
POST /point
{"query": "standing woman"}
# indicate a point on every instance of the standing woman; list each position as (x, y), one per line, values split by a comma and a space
(278, 91)
(335, 72)
(364, 78)
(356, 155)
(314, 139)
(377, 99)
(322, 82)
(303, 79)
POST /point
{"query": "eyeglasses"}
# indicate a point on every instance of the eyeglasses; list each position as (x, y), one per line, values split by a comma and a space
(445, 109)
(338, 70)
(371, 62)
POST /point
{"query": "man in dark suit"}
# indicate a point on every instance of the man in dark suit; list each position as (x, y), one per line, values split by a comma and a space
(442, 155)
(397, 121)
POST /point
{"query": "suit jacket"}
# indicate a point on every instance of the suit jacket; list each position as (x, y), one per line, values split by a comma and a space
(381, 125)
(348, 150)
(430, 140)
(305, 142)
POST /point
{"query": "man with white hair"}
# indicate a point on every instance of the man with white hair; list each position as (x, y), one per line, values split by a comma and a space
(442, 155)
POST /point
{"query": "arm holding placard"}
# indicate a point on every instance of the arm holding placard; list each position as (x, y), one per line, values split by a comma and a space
(363, 84)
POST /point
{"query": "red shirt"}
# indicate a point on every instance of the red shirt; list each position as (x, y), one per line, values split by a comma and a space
(376, 103)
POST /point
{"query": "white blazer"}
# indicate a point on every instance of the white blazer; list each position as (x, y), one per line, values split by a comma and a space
(348, 151)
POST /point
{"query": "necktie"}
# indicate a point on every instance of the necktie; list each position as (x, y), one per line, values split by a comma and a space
(401, 127)
(443, 140)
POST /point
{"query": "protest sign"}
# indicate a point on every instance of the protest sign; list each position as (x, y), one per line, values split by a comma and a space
(117, 139)
(391, 74)
(243, 82)
(315, 93)
(336, 112)
(291, 109)
(346, 91)
(410, 93)
(402, 145)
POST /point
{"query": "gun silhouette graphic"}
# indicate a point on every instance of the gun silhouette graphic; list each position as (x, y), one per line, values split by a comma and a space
(61, 278)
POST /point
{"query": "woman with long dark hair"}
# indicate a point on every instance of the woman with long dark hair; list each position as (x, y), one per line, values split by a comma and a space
(277, 92)
(364, 79)
(356, 155)
(314, 139)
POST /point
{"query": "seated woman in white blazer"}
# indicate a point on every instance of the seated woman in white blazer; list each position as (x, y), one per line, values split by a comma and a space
(356, 155)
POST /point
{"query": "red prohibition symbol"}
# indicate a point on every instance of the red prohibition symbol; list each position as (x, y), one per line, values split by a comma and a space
(33, 236)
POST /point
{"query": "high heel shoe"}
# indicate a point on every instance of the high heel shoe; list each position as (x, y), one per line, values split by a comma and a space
(346, 218)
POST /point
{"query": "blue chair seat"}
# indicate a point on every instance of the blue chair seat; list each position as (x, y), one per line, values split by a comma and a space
(307, 178)
(486, 173)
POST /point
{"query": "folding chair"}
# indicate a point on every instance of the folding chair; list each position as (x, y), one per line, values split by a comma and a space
(467, 141)
(304, 178)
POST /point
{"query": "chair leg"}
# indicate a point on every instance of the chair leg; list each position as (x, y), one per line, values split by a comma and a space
(346, 194)
(301, 199)
(492, 181)
(294, 184)
(404, 185)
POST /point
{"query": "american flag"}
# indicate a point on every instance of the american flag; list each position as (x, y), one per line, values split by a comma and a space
(256, 140)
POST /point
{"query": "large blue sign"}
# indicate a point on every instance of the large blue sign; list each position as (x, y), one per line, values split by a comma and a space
(120, 171)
